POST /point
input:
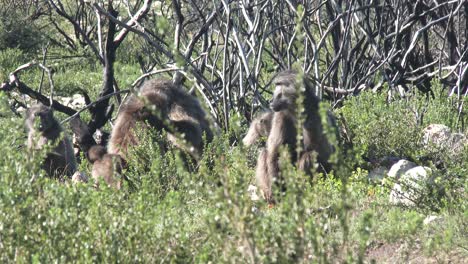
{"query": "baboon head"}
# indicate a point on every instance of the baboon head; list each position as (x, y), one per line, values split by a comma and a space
(96, 153)
(260, 127)
(40, 118)
(264, 125)
(287, 89)
(285, 94)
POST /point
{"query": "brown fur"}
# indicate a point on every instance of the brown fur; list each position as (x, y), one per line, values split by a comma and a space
(106, 166)
(260, 127)
(260, 172)
(284, 132)
(164, 106)
(44, 129)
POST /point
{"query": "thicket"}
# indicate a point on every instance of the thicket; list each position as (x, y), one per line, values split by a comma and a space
(173, 215)
(361, 54)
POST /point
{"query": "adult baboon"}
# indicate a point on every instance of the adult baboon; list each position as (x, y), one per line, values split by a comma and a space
(162, 105)
(260, 127)
(106, 166)
(44, 129)
(284, 130)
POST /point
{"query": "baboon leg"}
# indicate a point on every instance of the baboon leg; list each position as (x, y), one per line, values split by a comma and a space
(263, 177)
(274, 173)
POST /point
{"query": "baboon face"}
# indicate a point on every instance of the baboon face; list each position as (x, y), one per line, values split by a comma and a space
(284, 95)
(40, 118)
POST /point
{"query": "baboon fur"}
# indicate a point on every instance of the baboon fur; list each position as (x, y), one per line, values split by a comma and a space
(162, 105)
(106, 166)
(44, 129)
(284, 131)
(260, 127)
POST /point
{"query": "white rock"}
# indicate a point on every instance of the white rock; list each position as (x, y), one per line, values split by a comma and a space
(438, 137)
(430, 218)
(408, 188)
(436, 134)
(457, 143)
(78, 101)
(400, 168)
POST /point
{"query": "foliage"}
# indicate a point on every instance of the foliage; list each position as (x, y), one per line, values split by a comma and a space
(9, 60)
(170, 214)
(14, 33)
(173, 211)
(379, 128)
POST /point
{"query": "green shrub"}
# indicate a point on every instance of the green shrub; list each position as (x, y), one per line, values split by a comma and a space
(10, 59)
(171, 212)
(379, 128)
(18, 32)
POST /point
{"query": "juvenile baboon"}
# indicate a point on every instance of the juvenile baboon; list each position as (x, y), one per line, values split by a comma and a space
(162, 105)
(260, 127)
(284, 131)
(106, 166)
(44, 129)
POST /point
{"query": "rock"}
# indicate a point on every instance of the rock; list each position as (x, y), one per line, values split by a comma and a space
(408, 187)
(76, 101)
(436, 134)
(431, 218)
(457, 142)
(437, 137)
(400, 168)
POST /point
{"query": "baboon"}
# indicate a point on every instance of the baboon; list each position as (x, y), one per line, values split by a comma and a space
(284, 131)
(106, 166)
(260, 127)
(162, 105)
(44, 129)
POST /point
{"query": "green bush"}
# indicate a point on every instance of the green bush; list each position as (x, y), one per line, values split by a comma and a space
(379, 128)
(18, 32)
(170, 212)
(10, 59)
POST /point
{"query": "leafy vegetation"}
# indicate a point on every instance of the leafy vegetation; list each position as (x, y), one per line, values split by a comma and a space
(170, 210)
(173, 215)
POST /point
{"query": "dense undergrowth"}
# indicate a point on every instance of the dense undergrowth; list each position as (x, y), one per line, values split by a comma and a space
(168, 214)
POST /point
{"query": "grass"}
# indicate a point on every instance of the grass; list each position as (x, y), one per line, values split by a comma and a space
(172, 215)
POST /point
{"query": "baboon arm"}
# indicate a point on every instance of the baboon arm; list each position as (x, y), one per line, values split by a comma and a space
(252, 135)
(189, 130)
